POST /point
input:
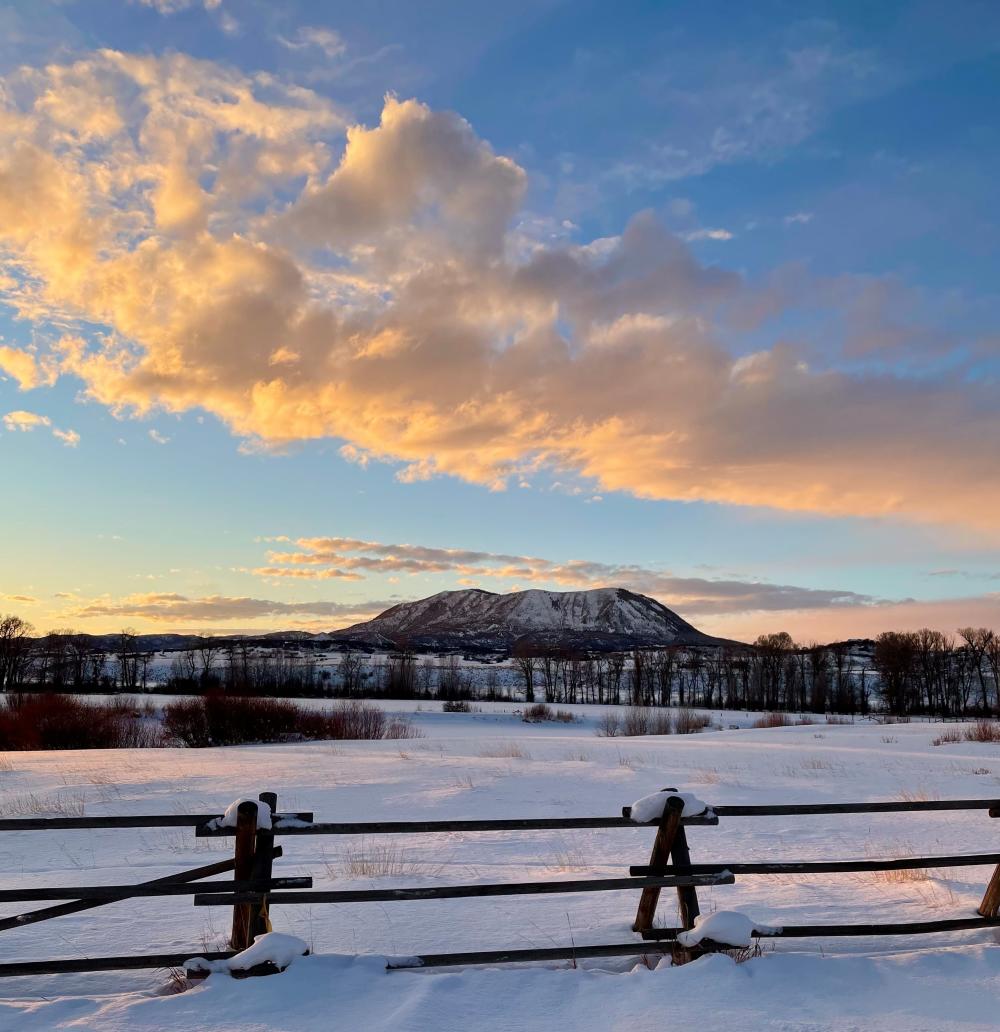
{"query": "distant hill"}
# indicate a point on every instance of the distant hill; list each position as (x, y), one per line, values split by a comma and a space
(600, 619)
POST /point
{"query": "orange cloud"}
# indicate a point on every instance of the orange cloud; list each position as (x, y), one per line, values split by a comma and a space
(392, 305)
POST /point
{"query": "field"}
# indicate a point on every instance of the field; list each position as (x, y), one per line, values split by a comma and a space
(492, 764)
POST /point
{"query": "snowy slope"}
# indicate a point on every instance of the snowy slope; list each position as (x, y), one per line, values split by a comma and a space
(602, 617)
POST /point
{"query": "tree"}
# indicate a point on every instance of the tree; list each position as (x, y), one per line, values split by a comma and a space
(15, 651)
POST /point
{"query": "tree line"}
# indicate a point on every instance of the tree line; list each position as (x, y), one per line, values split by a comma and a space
(899, 672)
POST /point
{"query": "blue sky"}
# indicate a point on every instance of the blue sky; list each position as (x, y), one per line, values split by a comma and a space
(697, 298)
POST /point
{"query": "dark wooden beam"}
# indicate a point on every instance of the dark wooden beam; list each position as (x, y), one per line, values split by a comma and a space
(112, 893)
(86, 964)
(63, 909)
(793, 809)
(827, 866)
(820, 931)
(161, 820)
(622, 949)
(463, 891)
(435, 827)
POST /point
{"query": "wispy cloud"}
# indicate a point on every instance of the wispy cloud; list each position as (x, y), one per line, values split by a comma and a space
(338, 558)
(174, 609)
(327, 40)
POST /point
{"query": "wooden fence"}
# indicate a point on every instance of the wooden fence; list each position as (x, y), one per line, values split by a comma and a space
(253, 888)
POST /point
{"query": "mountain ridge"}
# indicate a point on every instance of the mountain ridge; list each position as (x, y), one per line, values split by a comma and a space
(598, 618)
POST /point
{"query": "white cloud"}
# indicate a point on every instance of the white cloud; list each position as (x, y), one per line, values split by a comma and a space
(329, 41)
(68, 437)
(707, 234)
(24, 421)
(159, 438)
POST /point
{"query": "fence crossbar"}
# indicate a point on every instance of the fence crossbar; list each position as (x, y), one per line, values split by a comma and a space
(467, 891)
(111, 893)
(436, 827)
(159, 820)
(828, 866)
(820, 931)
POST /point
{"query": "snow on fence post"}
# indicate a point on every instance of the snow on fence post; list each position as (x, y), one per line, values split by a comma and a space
(666, 834)
(246, 828)
(260, 921)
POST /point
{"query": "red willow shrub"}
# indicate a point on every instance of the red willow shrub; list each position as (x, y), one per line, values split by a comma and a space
(53, 721)
(218, 719)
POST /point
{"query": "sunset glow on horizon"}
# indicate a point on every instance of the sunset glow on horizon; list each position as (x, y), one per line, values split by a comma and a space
(309, 309)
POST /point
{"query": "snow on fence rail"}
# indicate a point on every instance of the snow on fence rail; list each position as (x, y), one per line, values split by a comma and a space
(253, 887)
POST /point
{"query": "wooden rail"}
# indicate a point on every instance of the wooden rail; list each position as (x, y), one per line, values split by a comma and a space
(444, 827)
(535, 888)
(909, 863)
(158, 820)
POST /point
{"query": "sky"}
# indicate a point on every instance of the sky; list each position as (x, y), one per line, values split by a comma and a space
(310, 308)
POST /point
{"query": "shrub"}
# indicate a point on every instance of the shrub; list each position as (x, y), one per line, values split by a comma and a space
(984, 730)
(456, 706)
(608, 724)
(186, 721)
(54, 721)
(773, 720)
(232, 720)
(690, 723)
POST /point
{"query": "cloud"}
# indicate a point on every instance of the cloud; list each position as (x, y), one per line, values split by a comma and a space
(801, 217)
(24, 421)
(172, 608)
(68, 437)
(839, 624)
(25, 599)
(24, 368)
(346, 558)
(327, 40)
(383, 298)
(707, 234)
(158, 438)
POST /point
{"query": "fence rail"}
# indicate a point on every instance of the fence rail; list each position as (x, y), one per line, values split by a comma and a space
(253, 889)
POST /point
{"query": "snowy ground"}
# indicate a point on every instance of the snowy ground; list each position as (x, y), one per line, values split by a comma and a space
(491, 764)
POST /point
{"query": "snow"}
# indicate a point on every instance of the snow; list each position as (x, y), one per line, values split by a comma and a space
(230, 817)
(724, 926)
(275, 948)
(651, 807)
(490, 764)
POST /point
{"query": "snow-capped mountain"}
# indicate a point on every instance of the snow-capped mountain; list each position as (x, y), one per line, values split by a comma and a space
(603, 618)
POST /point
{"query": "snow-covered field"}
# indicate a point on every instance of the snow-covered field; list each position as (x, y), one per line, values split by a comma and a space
(491, 764)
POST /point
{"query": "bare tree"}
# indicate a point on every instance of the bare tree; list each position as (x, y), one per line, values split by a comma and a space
(15, 651)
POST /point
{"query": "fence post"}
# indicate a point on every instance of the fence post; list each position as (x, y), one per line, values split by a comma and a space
(246, 827)
(991, 901)
(666, 834)
(260, 921)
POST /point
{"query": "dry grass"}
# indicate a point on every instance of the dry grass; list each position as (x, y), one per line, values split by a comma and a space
(773, 720)
(505, 751)
(6, 764)
(903, 877)
(687, 722)
(385, 859)
(918, 795)
(948, 737)
(540, 712)
(985, 730)
(33, 804)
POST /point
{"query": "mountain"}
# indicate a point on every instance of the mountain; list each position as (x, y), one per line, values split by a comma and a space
(472, 619)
